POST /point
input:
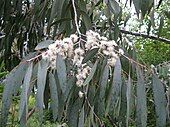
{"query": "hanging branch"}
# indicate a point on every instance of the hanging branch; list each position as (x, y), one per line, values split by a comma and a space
(167, 41)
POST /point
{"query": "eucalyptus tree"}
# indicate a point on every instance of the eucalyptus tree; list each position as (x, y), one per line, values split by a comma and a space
(77, 62)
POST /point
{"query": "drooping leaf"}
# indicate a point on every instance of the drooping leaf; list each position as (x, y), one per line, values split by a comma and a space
(71, 82)
(23, 108)
(73, 112)
(12, 84)
(41, 81)
(128, 98)
(137, 4)
(56, 9)
(115, 90)
(144, 7)
(54, 95)
(123, 107)
(93, 70)
(44, 44)
(159, 101)
(87, 20)
(81, 118)
(62, 73)
(161, 25)
(90, 54)
(103, 85)
(141, 112)
(114, 7)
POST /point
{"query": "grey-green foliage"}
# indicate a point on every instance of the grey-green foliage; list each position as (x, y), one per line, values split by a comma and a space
(104, 82)
(108, 91)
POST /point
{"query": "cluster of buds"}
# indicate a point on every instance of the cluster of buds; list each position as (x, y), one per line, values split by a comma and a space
(60, 47)
(82, 74)
(94, 40)
(66, 49)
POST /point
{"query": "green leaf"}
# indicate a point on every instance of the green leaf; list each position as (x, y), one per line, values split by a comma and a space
(93, 70)
(160, 101)
(62, 73)
(23, 108)
(54, 95)
(141, 100)
(41, 81)
(103, 85)
(114, 7)
(128, 98)
(161, 25)
(44, 44)
(115, 90)
(90, 54)
(56, 10)
(73, 110)
(137, 4)
(81, 118)
(123, 107)
(12, 84)
(87, 20)
(144, 7)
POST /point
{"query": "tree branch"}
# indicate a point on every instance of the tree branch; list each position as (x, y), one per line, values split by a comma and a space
(167, 41)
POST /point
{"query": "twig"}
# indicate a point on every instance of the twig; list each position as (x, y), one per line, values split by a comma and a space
(30, 113)
(167, 41)
(75, 17)
(92, 110)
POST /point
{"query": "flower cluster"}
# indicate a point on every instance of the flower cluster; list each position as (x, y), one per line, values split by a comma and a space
(81, 75)
(94, 40)
(66, 49)
(62, 47)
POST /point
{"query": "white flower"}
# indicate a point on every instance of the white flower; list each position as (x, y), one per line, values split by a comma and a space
(67, 40)
(103, 38)
(114, 55)
(79, 51)
(79, 83)
(110, 48)
(113, 43)
(106, 52)
(112, 61)
(45, 55)
(74, 38)
(81, 94)
(52, 47)
(121, 51)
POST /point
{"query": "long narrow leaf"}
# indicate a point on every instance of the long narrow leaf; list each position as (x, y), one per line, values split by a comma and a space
(62, 73)
(12, 84)
(93, 70)
(115, 91)
(128, 97)
(160, 101)
(141, 100)
(24, 94)
(54, 95)
(103, 85)
(81, 118)
(41, 81)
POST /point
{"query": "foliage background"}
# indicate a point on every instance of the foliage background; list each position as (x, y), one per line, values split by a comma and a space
(33, 22)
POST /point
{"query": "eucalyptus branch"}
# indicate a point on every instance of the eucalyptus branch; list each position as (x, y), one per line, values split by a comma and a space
(92, 110)
(75, 17)
(167, 41)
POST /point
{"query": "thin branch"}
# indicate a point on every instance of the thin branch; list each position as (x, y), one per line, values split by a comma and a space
(167, 41)
(93, 110)
(75, 17)
(31, 113)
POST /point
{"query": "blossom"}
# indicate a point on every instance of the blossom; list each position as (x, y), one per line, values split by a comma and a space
(74, 37)
(80, 94)
(121, 52)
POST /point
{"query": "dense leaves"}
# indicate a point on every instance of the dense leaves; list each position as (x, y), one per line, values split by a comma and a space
(113, 94)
